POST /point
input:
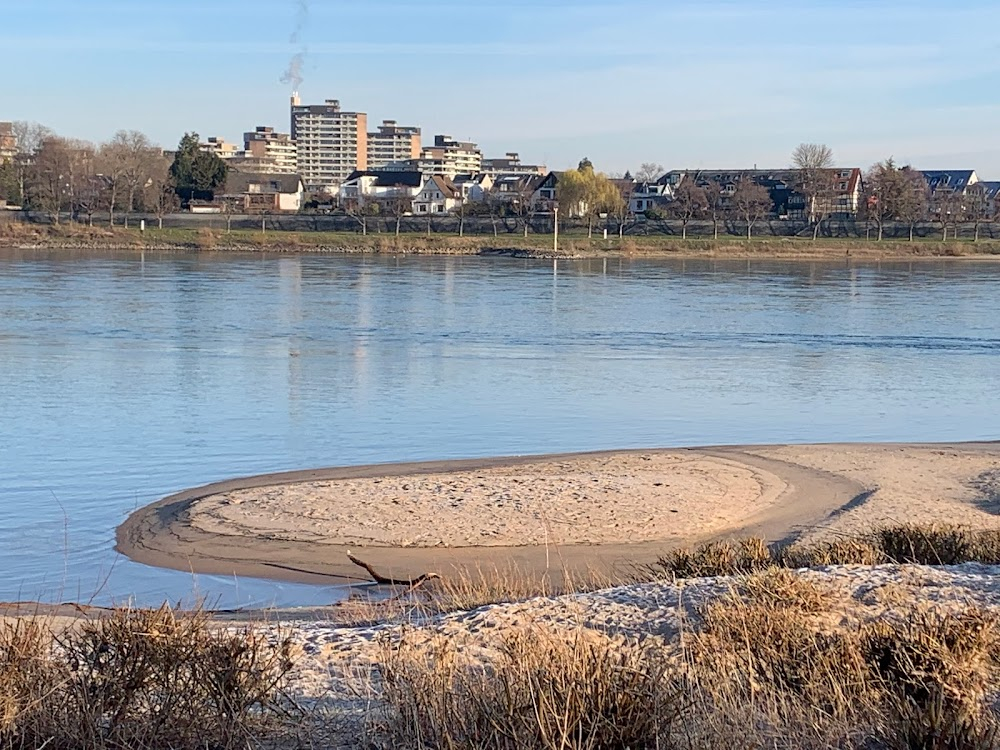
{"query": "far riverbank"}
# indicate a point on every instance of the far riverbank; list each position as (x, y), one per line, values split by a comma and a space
(29, 237)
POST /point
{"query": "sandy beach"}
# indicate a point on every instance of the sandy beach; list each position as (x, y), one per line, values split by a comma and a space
(573, 512)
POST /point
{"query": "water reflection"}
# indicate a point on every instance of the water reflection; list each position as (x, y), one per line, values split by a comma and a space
(126, 377)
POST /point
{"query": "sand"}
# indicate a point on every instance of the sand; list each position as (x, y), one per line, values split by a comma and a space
(572, 512)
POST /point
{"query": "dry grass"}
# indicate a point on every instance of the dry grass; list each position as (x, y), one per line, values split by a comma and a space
(139, 679)
(905, 544)
(541, 688)
(766, 665)
(723, 558)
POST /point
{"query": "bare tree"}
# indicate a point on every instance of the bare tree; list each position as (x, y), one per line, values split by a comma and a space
(397, 204)
(138, 156)
(884, 190)
(361, 210)
(690, 202)
(947, 207)
(977, 208)
(523, 206)
(752, 203)
(911, 204)
(159, 194)
(112, 165)
(229, 206)
(715, 205)
(814, 161)
(649, 172)
(48, 181)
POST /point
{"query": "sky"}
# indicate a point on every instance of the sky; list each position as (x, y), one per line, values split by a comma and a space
(684, 83)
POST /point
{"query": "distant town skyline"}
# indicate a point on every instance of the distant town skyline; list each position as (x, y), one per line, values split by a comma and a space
(684, 83)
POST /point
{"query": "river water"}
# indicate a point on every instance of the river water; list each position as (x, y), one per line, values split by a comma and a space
(124, 378)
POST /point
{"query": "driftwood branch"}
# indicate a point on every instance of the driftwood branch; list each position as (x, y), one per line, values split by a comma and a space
(386, 580)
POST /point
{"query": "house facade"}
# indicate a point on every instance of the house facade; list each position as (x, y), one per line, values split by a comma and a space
(264, 192)
(374, 186)
(438, 195)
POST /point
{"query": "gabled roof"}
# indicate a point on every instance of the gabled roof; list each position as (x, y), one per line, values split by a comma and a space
(951, 179)
(445, 186)
(238, 183)
(989, 188)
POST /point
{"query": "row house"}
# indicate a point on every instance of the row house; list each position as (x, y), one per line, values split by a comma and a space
(841, 196)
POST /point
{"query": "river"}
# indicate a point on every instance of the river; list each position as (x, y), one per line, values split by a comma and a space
(124, 378)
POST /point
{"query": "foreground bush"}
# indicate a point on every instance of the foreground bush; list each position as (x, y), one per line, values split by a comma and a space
(543, 688)
(769, 664)
(138, 679)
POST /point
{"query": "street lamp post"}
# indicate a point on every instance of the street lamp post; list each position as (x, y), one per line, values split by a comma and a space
(555, 229)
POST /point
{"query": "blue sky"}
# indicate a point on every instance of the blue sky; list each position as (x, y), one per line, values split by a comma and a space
(687, 83)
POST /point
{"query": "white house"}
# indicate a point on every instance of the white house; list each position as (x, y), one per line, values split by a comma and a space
(473, 187)
(437, 196)
(372, 186)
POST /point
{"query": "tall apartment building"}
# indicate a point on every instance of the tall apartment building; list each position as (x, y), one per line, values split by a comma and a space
(449, 157)
(220, 147)
(269, 152)
(330, 143)
(511, 165)
(8, 141)
(392, 143)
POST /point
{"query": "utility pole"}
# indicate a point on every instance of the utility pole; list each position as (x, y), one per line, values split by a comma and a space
(555, 229)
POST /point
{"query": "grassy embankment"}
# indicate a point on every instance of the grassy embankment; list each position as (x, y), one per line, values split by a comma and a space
(768, 663)
(15, 234)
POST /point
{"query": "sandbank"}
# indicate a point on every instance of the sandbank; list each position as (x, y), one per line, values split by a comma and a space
(573, 512)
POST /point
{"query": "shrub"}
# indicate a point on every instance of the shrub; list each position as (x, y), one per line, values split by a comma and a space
(137, 679)
(544, 688)
(715, 559)
(936, 670)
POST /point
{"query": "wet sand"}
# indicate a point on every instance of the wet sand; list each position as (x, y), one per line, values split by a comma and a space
(577, 512)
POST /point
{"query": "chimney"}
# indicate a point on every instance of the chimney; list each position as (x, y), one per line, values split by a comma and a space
(295, 99)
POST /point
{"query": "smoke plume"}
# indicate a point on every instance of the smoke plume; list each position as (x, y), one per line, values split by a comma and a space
(294, 72)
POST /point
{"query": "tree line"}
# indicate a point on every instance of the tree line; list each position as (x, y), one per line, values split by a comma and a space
(56, 175)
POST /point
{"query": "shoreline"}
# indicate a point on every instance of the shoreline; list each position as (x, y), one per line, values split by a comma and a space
(572, 247)
(172, 533)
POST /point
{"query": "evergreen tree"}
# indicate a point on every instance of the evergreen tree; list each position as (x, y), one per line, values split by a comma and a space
(196, 174)
(10, 188)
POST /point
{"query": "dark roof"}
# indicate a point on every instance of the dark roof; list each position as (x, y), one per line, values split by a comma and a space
(953, 179)
(238, 183)
(389, 178)
(991, 189)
